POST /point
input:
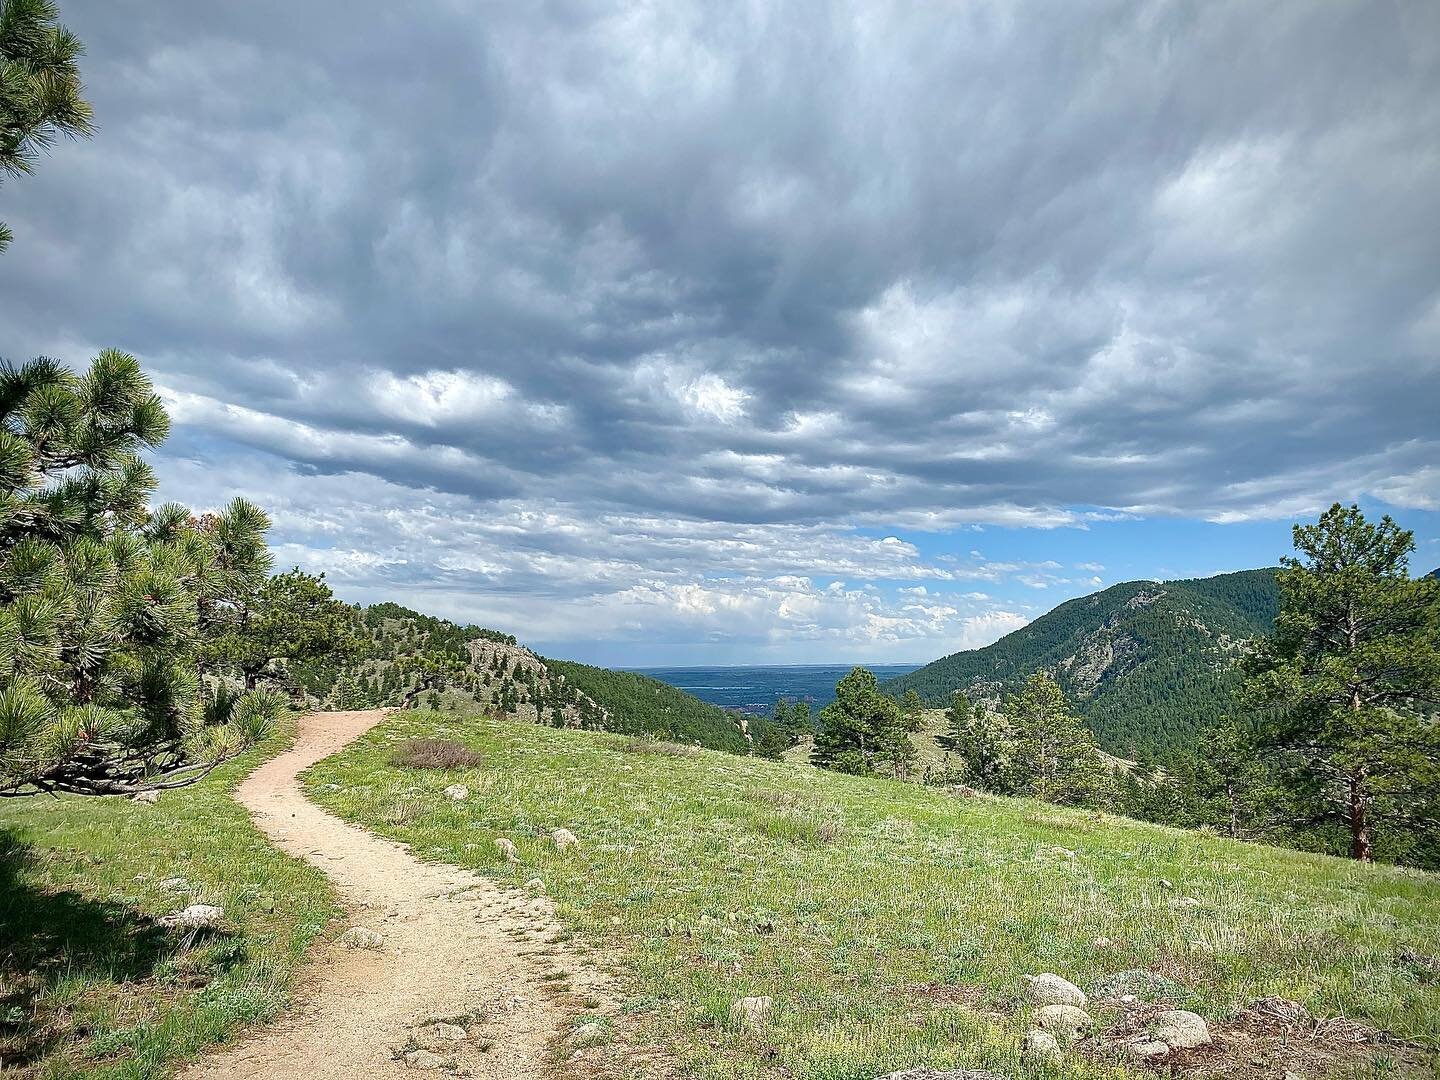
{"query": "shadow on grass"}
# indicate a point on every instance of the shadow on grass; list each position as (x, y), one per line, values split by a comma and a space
(52, 936)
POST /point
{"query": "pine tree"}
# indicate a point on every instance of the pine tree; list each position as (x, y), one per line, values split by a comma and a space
(40, 92)
(1351, 675)
(103, 604)
(862, 728)
(957, 722)
(291, 617)
(1055, 757)
(986, 745)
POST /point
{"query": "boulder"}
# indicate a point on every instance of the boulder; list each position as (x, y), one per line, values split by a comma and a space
(1051, 989)
(507, 848)
(752, 1011)
(359, 937)
(564, 838)
(1063, 1021)
(1184, 902)
(195, 917)
(150, 797)
(458, 792)
(535, 885)
(174, 884)
(1181, 1030)
(423, 1059)
(1148, 1049)
(1041, 1046)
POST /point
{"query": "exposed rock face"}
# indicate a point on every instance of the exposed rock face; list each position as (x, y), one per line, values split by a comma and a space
(1051, 989)
(515, 658)
(1063, 1021)
(752, 1011)
(519, 663)
(1106, 651)
(1181, 1030)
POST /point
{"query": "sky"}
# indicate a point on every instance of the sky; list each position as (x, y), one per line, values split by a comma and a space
(680, 333)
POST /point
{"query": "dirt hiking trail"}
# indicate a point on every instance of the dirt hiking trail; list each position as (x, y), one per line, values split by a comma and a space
(458, 982)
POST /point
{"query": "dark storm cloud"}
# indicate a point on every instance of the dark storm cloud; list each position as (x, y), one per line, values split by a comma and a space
(780, 266)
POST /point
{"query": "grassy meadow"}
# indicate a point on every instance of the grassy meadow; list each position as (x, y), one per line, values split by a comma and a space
(891, 923)
(89, 984)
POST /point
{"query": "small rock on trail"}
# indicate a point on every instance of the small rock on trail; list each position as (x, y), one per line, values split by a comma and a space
(360, 937)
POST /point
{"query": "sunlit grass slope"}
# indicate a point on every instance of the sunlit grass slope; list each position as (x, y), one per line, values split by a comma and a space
(91, 986)
(890, 923)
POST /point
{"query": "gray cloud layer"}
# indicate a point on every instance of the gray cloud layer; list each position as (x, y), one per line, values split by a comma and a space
(757, 270)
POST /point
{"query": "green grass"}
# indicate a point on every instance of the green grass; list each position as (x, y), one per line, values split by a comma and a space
(89, 985)
(871, 910)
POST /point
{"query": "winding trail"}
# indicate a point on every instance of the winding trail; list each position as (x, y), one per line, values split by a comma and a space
(455, 946)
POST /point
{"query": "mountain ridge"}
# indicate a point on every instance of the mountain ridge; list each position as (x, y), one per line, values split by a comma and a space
(409, 659)
(1149, 664)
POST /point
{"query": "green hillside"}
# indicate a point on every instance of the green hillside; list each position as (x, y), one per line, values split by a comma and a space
(415, 660)
(890, 923)
(1149, 664)
(641, 705)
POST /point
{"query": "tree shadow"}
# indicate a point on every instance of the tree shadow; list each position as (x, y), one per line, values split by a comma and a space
(49, 936)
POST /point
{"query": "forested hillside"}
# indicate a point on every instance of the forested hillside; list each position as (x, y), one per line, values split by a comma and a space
(414, 660)
(1148, 664)
(645, 706)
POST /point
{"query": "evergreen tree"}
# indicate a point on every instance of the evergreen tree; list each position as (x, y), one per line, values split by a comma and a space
(957, 721)
(985, 744)
(40, 92)
(1351, 675)
(862, 728)
(292, 616)
(104, 606)
(1054, 757)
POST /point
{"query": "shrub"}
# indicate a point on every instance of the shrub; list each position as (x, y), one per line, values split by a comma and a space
(434, 754)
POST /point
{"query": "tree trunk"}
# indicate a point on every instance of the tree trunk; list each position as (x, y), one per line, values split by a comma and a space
(1361, 844)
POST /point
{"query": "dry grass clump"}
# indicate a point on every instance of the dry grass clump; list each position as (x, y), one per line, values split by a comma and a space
(434, 754)
(405, 810)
